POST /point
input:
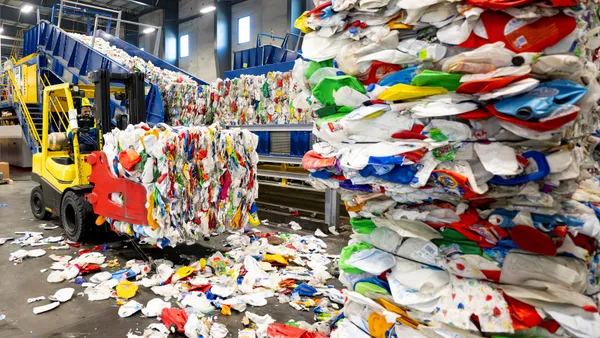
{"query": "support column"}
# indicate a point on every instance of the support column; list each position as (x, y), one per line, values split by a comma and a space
(223, 38)
(332, 207)
(171, 29)
(295, 9)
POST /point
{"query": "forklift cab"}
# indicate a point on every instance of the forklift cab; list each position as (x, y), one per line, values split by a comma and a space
(60, 168)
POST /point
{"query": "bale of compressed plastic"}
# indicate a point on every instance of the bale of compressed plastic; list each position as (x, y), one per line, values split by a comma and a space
(198, 180)
(273, 98)
(178, 91)
(462, 139)
(251, 99)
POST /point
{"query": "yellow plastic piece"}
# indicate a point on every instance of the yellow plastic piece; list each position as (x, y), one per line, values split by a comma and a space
(404, 317)
(151, 220)
(253, 220)
(113, 263)
(407, 92)
(354, 208)
(301, 23)
(229, 146)
(126, 289)
(378, 326)
(276, 259)
(225, 310)
(202, 263)
(182, 273)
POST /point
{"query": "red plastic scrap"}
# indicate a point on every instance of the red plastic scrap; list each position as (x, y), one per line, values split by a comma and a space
(174, 319)
(319, 9)
(286, 331)
(89, 268)
(129, 158)
(202, 288)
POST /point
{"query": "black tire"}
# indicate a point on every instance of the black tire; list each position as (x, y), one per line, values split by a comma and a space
(75, 215)
(38, 205)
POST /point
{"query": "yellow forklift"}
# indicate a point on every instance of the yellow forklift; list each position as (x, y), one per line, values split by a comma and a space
(60, 168)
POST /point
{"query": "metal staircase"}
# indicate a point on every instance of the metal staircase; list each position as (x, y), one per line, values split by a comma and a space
(30, 121)
(35, 111)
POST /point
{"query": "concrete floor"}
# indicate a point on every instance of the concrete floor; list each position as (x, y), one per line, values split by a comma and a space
(80, 317)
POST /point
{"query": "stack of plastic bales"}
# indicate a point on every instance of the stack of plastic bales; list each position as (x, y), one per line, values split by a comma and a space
(199, 180)
(179, 92)
(461, 137)
(250, 99)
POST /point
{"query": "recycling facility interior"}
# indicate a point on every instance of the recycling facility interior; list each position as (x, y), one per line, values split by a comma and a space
(299, 168)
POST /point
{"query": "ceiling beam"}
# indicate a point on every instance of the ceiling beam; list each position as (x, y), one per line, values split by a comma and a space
(12, 14)
(49, 3)
(145, 3)
(4, 37)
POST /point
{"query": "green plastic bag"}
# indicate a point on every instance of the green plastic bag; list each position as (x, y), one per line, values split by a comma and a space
(363, 226)
(432, 78)
(325, 89)
(313, 66)
(369, 289)
(451, 237)
(347, 253)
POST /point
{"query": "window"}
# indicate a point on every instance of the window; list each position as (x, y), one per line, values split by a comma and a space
(244, 30)
(184, 46)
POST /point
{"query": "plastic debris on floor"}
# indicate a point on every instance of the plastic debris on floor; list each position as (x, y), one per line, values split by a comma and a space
(255, 268)
(462, 138)
(250, 99)
(178, 91)
(199, 180)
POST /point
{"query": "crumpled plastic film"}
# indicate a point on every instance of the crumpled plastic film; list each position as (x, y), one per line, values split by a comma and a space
(198, 180)
(462, 137)
(179, 92)
(250, 99)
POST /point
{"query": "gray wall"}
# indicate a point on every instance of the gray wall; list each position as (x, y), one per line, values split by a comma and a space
(201, 61)
(266, 16)
(146, 41)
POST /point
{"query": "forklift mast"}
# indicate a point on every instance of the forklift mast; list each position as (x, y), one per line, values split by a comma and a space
(134, 94)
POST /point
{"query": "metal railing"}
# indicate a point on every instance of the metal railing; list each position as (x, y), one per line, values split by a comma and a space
(24, 110)
(56, 105)
(77, 3)
(14, 52)
(157, 28)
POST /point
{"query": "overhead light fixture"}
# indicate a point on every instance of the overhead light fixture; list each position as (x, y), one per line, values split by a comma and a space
(208, 9)
(26, 8)
(148, 30)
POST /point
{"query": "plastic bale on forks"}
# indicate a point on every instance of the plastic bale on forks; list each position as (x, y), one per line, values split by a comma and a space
(197, 181)
(462, 136)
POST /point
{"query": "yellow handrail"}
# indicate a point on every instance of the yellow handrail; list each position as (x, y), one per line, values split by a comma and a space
(17, 91)
(62, 110)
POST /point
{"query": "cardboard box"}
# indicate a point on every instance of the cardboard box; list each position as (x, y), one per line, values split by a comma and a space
(5, 169)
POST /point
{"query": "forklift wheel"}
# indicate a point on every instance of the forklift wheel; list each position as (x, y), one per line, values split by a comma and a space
(38, 206)
(75, 215)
